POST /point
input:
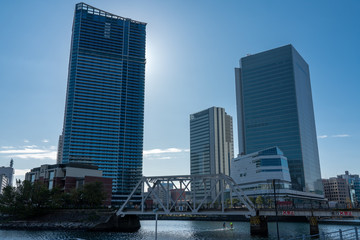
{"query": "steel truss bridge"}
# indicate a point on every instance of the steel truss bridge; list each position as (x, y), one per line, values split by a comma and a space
(207, 196)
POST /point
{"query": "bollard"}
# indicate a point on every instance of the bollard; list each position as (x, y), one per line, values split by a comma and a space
(340, 234)
(356, 233)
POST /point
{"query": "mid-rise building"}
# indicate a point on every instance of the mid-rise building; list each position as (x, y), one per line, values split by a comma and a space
(262, 172)
(211, 146)
(353, 182)
(69, 176)
(336, 190)
(104, 109)
(163, 192)
(255, 171)
(8, 172)
(275, 108)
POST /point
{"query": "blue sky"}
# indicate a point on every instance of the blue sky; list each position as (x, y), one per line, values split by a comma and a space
(192, 49)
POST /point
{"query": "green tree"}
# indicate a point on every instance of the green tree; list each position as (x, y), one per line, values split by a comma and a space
(40, 195)
(76, 197)
(259, 201)
(269, 202)
(7, 200)
(94, 194)
(58, 198)
(26, 200)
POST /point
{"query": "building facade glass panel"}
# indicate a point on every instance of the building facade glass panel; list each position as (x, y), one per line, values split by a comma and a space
(275, 108)
(104, 110)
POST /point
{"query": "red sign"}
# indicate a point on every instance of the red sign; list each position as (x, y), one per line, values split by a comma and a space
(345, 213)
(288, 213)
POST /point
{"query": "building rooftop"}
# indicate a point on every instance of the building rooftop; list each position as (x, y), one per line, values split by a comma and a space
(96, 11)
(64, 165)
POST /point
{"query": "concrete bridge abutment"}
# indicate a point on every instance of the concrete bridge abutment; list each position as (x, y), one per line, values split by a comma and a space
(258, 226)
(314, 225)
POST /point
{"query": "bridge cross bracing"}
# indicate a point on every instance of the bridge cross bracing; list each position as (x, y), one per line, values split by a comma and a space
(207, 196)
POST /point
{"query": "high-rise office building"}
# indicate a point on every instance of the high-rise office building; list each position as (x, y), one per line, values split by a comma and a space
(211, 145)
(275, 108)
(104, 109)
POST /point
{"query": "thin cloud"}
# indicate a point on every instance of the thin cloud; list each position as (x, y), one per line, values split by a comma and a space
(161, 151)
(334, 136)
(340, 135)
(45, 141)
(31, 146)
(7, 147)
(323, 136)
(21, 172)
(26, 141)
(41, 156)
(25, 151)
(31, 152)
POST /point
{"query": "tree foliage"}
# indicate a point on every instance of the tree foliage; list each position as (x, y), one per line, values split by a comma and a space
(30, 199)
(259, 201)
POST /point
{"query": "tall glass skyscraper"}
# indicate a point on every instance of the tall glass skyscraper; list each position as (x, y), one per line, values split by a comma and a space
(104, 110)
(275, 108)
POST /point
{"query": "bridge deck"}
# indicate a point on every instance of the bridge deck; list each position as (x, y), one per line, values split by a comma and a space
(262, 212)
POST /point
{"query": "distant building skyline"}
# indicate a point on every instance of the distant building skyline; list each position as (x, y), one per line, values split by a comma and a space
(275, 108)
(211, 145)
(104, 110)
(353, 183)
(8, 172)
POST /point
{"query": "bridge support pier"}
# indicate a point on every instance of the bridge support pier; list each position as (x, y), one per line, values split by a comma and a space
(258, 226)
(127, 223)
(314, 225)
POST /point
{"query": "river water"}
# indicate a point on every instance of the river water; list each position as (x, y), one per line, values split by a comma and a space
(175, 230)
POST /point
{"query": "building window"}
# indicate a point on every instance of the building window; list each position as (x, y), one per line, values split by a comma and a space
(51, 180)
(32, 178)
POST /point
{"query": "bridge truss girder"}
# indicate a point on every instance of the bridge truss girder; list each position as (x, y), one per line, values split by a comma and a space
(205, 191)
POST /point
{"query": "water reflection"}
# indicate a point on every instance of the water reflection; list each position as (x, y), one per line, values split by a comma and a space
(175, 230)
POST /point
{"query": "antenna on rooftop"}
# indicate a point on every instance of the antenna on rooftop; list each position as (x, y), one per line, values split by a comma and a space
(11, 163)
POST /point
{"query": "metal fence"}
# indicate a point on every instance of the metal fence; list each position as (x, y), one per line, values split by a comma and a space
(348, 234)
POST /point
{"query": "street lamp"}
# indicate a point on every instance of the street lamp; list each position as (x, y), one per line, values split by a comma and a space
(156, 219)
(276, 212)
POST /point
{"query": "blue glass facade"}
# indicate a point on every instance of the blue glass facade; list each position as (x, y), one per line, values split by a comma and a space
(104, 110)
(275, 108)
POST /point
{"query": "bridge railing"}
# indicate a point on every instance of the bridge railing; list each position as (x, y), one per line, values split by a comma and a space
(205, 192)
(348, 234)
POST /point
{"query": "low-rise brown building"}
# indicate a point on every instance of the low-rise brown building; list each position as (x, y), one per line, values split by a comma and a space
(70, 176)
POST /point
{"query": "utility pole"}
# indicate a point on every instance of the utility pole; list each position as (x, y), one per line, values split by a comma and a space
(276, 212)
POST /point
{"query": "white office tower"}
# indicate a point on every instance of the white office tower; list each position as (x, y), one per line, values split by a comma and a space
(211, 147)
